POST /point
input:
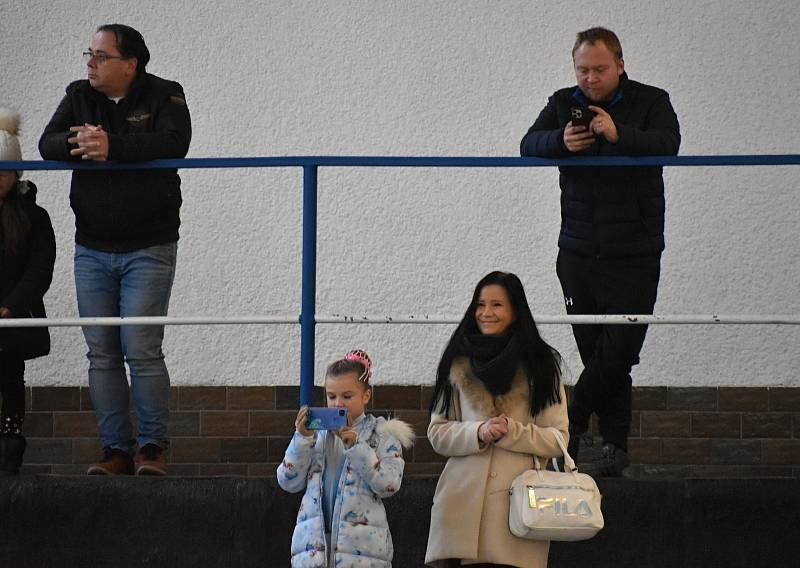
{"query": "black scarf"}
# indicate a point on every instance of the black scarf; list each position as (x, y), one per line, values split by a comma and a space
(494, 359)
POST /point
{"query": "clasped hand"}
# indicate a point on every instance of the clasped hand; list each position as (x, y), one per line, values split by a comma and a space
(92, 142)
(493, 429)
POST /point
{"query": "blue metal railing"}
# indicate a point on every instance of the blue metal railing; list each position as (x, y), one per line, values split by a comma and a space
(414, 162)
(310, 165)
(308, 307)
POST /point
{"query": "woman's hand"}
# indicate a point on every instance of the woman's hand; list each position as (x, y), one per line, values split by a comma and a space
(300, 422)
(5, 312)
(493, 429)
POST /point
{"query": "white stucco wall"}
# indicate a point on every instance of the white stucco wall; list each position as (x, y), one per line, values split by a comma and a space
(432, 78)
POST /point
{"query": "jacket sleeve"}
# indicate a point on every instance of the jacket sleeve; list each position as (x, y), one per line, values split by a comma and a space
(452, 438)
(169, 137)
(53, 142)
(661, 137)
(38, 274)
(293, 471)
(545, 139)
(533, 437)
(382, 468)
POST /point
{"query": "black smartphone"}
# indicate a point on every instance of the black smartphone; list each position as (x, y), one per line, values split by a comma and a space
(581, 116)
(323, 418)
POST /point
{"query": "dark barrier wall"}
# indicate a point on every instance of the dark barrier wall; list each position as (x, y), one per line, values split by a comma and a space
(694, 432)
(51, 521)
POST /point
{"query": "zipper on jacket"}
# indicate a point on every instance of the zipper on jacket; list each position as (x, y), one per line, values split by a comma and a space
(337, 510)
(337, 505)
(321, 496)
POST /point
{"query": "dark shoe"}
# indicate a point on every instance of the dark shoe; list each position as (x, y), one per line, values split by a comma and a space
(115, 462)
(151, 460)
(612, 460)
(12, 447)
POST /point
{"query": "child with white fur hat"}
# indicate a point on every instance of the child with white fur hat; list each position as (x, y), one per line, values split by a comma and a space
(27, 255)
(9, 143)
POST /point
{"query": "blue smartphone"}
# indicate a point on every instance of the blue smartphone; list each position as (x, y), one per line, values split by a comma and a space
(323, 418)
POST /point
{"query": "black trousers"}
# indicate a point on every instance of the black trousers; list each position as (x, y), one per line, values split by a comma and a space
(12, 390)
(608, 352)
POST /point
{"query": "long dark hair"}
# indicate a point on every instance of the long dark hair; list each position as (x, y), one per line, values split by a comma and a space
(14, 221)
(541, 362)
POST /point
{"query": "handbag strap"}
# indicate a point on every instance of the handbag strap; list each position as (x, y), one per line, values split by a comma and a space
(569, 463)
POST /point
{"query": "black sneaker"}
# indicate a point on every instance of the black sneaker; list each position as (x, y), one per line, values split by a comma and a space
(612, 460)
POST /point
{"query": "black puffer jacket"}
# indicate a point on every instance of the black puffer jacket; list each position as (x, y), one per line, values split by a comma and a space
(611, 211)
(121, 211)
(25, 277)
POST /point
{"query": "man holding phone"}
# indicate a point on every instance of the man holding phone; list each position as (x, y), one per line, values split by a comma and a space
(612, 226)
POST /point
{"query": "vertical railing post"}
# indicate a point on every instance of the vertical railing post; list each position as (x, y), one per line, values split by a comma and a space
(308, 307)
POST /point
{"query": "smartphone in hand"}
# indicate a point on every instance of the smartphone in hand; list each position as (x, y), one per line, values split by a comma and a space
(324, 418)
(581, 116)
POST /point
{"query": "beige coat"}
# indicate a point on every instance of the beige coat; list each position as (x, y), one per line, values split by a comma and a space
(469, 518)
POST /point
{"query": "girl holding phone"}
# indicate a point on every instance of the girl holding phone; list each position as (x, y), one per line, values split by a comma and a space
(345, 473)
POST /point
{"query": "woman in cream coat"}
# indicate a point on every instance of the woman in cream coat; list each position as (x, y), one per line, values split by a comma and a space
(498, 386)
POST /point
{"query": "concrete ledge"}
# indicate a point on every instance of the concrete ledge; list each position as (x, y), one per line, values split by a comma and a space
(55, 521)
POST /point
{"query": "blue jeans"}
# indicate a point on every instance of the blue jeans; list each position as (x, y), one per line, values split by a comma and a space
(136, 283)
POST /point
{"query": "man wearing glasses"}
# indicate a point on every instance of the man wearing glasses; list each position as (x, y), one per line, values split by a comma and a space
(126, 236)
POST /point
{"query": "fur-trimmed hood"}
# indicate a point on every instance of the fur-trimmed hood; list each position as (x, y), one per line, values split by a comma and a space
(399, 429)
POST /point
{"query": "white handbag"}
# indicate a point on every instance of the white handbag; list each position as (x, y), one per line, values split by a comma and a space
(555, 505)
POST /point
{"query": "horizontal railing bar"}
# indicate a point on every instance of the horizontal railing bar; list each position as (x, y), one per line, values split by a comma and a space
(148, 320)
(613, 319)
(602, 319)
(412, 161)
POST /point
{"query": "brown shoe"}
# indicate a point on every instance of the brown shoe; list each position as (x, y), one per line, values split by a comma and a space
(151, 460)
(115, 462)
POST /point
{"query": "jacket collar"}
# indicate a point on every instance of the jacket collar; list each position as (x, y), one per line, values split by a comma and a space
(28, 190)
(479, 398)
(138, 85)
(578, 95)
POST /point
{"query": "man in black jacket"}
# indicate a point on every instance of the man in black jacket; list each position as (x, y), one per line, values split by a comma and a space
(612, 225)
(126, 235)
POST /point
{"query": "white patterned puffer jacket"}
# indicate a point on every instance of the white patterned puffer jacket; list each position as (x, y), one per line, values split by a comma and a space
(372, 470)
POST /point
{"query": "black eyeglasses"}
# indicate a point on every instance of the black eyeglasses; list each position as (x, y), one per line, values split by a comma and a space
(100, 57)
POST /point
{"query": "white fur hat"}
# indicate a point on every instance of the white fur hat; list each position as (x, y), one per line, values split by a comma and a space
(9, 143)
